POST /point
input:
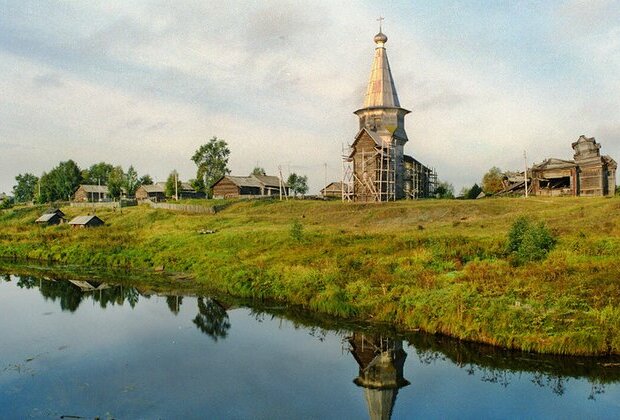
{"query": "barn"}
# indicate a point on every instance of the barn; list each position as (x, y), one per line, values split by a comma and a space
(230, 186)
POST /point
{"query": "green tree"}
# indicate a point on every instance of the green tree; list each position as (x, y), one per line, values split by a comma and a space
(528, 241)
(116, 180)
(212, 162)
(170, 189)
(146, 180)
(26, 186)
(473, 192)
(492, 181)
(444, 190)
(98, 174)
(258, 171)
(298, 184)
(60, 183)
(131, 181)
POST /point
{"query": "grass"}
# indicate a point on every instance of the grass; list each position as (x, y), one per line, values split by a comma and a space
(440, 266)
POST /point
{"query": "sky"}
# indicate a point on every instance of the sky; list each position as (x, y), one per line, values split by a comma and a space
(145, 83)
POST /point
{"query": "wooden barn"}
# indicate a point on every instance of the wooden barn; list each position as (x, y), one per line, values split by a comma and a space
(91, 193)
(55, 210)
(86, 221)
(230, 186)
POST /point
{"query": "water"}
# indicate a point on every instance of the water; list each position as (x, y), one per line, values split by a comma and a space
(116, 352)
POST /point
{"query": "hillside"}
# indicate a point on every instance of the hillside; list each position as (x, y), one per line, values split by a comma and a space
(435, 265)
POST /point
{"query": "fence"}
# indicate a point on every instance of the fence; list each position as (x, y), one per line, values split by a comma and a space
(188, 208)
(107, 204)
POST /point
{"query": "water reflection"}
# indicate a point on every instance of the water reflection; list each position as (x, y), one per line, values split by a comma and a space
(212, 318)
(381, 360)
(380, 356)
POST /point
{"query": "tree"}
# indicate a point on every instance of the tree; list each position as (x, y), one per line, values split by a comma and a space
(212, 162)
(298, 184)
(98, 173)
(26, 187)
(131, 181)
(171, 190)
(60, 183)
(444, 190)
(146, 180)
(473, 192)
(258, 171)
(116, 179)
(492, 181)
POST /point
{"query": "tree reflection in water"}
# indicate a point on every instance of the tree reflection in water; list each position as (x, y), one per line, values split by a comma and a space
(212, 318)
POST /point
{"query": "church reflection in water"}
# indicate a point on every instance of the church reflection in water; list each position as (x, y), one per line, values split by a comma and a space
(381, 360)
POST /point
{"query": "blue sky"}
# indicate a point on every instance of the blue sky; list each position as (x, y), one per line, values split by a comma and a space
(147, 82)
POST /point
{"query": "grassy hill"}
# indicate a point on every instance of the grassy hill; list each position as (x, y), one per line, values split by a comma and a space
(440, 266)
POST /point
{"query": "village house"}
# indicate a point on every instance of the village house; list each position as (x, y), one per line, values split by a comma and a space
(86, 221)
(157, 192)
(333, 190)
(91, 193)
(230, 186)
(154, 192)
(588, 174)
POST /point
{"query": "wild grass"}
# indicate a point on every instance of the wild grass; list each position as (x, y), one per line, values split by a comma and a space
(440, 266)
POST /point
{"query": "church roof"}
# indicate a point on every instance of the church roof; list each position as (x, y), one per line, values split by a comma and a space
(381, 91)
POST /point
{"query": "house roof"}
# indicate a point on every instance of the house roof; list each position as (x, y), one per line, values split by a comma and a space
(83, 220)
(379, 138)
(553, 163)
(154, 188)
(256, 181)
(336, 185)
(268, 180)
(185, 186)
(103, 189)
(54, 210)
(46, 217)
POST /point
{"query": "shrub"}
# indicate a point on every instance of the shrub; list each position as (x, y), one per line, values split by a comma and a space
(297, 231)
(528, 241)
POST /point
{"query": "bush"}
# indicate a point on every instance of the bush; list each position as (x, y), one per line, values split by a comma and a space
(6, 203)
(297, 231)
(528, 241)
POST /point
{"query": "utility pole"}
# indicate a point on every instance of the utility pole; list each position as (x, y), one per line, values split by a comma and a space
(176, 185)
(525, 173)
(325, 187)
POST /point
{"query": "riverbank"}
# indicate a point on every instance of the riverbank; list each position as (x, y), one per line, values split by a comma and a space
(438, 266)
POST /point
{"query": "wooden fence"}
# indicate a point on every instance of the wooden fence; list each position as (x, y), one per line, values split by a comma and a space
(188, 208)
(106, 204)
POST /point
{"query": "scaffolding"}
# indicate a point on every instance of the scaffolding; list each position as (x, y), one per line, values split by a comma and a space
(371, 175)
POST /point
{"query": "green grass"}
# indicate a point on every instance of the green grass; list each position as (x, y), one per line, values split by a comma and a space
(439, 266)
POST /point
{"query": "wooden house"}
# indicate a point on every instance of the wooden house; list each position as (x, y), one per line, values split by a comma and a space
(86, 221)
(154, 192)
(91, 193)
(230, 186)
(333, 189)
(49, 219)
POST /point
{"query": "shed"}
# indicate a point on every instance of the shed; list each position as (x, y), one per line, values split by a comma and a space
(55, 210)
(51, 219)
(86, 221)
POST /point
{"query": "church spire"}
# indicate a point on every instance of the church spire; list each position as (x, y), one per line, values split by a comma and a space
(381, 91)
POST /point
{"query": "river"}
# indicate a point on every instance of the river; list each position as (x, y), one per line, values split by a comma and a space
(93, 348)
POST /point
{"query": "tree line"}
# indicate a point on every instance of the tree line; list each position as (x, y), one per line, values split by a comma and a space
(61, 182)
